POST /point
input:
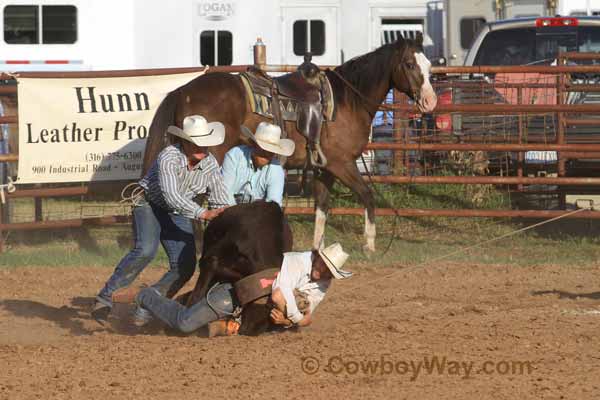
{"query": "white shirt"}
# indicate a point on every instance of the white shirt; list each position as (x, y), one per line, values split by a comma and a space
(295, 274)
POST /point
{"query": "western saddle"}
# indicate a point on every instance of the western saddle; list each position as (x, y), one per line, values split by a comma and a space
(304, 96)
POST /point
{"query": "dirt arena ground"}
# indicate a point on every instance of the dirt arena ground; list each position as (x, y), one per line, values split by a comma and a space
(450, 331)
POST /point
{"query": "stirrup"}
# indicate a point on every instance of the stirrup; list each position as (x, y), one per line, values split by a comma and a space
(317, 158)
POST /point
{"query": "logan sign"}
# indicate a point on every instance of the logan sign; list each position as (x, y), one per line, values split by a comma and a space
(215, 11)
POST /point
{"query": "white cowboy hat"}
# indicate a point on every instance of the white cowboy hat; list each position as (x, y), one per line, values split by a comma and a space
(268, 137)
(198, 131)
(335, 257)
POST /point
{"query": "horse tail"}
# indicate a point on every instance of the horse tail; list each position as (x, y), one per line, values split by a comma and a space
(157, 137)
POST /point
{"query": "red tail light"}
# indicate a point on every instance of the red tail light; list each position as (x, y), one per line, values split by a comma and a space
(550, 22)
(443, 122)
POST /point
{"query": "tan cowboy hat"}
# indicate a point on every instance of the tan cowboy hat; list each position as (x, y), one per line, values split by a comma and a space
(335, 257)
(268, 137)
(198, 131)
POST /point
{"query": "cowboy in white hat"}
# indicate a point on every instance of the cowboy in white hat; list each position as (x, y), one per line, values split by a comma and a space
(165, 212)
(310, 274)
(253, 172)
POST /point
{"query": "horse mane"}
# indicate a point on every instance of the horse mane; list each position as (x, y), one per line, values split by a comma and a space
(363, 71)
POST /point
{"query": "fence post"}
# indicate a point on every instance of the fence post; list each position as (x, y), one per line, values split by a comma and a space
(260, 54)
(560, 132)
(400, 129)
(520, 155)
(38, 209)
(1, 232)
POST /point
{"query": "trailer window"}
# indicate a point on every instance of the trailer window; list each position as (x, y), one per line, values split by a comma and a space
(59, 24)
(309, 36)
(394, 29)
(469, 28)
(216, 45)
(21, 24)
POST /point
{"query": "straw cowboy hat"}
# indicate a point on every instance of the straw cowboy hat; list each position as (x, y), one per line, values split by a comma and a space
(335, 257)
(268, 137)
(198, 131)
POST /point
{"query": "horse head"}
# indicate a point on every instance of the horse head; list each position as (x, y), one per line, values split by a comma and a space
(411, 73)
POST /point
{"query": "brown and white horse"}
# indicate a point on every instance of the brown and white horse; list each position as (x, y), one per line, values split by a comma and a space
(359, 86)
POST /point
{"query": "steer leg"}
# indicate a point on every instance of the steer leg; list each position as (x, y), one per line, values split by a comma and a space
(208, 269)
(229, 266)
(198, 237)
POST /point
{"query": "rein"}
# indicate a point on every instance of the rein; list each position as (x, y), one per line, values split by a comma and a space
(361, 96)
(368, 102)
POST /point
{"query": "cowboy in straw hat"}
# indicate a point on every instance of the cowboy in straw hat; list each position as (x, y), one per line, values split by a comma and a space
(297, 291)
(309, 273)
(165, 212)
(253, 172)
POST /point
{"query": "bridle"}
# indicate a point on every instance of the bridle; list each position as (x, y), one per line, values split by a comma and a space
(416, 96)
(406, 66)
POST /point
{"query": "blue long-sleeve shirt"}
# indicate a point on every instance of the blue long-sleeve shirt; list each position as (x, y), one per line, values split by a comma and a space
(242, 178)
(171, 185)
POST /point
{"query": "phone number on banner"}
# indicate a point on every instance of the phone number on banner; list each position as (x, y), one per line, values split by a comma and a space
(114, 156)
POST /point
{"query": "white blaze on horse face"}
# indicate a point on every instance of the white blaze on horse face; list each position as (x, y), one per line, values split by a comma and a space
(428, 99)
(320, 219)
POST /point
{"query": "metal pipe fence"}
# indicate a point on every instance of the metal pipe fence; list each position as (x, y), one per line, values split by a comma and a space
(502, 127)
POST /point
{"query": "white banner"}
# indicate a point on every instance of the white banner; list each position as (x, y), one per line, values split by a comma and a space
(74, 130)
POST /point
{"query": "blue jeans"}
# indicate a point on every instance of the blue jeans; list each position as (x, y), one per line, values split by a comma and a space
(185, 319)
(151, 225)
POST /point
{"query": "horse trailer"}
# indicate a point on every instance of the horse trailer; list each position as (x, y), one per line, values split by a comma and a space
(133, 34)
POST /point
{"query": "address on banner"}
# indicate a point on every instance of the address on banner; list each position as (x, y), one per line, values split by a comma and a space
(131, 162)
(73, 130)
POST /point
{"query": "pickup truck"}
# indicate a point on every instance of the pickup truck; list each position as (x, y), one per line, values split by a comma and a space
(525, 41)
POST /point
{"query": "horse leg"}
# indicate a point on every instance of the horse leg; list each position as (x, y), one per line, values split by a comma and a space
(323, 184)
(349, 175)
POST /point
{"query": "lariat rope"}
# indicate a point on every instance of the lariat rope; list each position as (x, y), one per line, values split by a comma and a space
(136, 195)
(462, 250)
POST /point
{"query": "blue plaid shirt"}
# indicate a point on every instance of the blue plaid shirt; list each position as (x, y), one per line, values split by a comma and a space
(171, 185)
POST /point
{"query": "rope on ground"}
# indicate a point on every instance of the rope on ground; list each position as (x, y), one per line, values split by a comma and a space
(459, 251)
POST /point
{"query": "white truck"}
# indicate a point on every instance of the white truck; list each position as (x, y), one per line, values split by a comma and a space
(464, 19)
